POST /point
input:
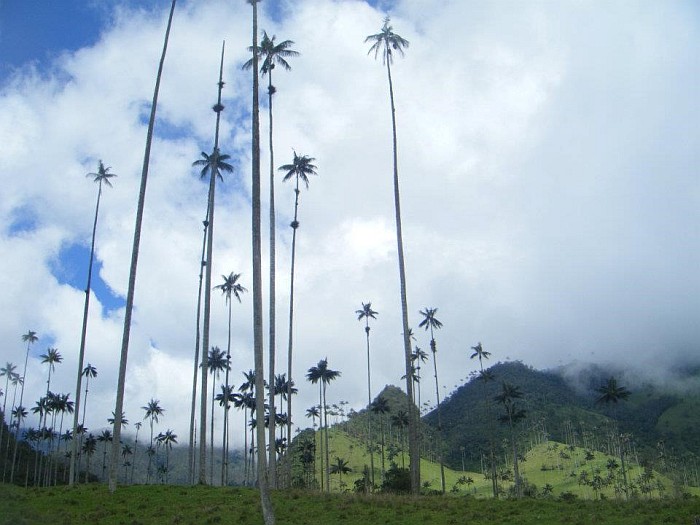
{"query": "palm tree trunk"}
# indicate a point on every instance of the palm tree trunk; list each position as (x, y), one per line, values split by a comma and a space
(320, 430)
(21, 400)
(295, 226)
(325, 424)
(369, 412)
(121, 382)
(224, 439)
(413, 417)
(211, 433)
(266, 503)
(437, 395)
(516, 470)
(271, 381)
(191, 455)
(83, 335)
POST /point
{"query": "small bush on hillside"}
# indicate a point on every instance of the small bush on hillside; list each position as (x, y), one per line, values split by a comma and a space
(397, 481)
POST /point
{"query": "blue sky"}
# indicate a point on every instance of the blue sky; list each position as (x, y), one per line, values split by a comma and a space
(549, 183)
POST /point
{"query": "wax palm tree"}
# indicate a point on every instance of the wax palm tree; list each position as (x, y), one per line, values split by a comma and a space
(137, 425)
(509, 393)
(217, 363)
(430, 322)
(380, 406)
(266, 503)
(153, 412)
(30, 338)
(90, 372)
(225, 398)
(300, 169)
(195, 364)
(230, 287)
(400, 421)
(367, 313)
(167, 439)
(102, 176)
(212, 165)
(8, 371)
(323, 375)
(340, 467)
(51, 357)
(124, 354)
(611, 393)
(273, 54)
(104, 438)
(482, 354)
(387, 42)
(89, 449)
(126, 452)
(61, 405)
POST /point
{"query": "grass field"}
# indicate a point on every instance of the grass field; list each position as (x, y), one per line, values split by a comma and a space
(158, 504)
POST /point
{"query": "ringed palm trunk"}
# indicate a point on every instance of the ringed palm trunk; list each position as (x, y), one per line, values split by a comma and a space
(211, 432)
(190, 454)
(433, 347)
(224, 439)
(83, 335)
(271, 376)
(295, 226)
(369, 404)
(413, 420)
(21, 401)
(213, 172)
(121, 382)
(325, 424)
(266, 503)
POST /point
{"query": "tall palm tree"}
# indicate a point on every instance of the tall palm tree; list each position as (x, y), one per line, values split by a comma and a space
(265, 502)
(8, 371)
(104, 438)
(323, 375)
(611, 394)
(126, 452)
(217, 363)
(90, 372)
(430, 322)
(225, 398)
(418, 356)
(340, 467)
(195, 364)
(153, 412)
(30, 338)
(89, 449)
(167, 439)
(102, 176)
(230, 287)
(272, 54)
(380, 406)
(367, 313)
(212, 165)
(124, 354)
(51, 357)
(482, 354)
(386, 42)
(509, 393)
(137, 425)
(300, 169)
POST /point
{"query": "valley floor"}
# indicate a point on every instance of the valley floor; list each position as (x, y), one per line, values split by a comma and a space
(161, 504)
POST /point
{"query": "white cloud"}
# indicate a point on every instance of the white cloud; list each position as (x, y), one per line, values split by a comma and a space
(546, 163)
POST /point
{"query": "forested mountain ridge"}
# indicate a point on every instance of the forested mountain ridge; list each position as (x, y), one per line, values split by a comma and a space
(659, 422)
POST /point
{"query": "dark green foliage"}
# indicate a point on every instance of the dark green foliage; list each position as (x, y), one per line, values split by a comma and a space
(397, 480)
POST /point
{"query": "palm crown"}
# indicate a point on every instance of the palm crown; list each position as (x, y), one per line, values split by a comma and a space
(275, 54)
(216, 163)
(386, 41)
(102, 175)
(153, 410)
(52, 356)
(30, 337)
(301, 167)
(231, 286)
(322, 373)
(366, 312)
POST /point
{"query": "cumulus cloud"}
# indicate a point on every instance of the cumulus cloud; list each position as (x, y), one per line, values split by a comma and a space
(547, 162)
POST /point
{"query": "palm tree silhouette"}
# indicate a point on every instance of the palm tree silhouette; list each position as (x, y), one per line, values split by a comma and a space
(430, 322)
(167, 440)
(485, 377)
(225, 398)
(300, 168)
(89, 448)
(611, 394)
(509, 393)
(386, 42)
(340, 467)
(367, 313)
(8, 371)
(323, 375)
(90, 372)
(217, 362)
(124, 354)
(30, 338)
(274, 54)
(104, 438)
(380, 406)
(153, 412)
(102, 176)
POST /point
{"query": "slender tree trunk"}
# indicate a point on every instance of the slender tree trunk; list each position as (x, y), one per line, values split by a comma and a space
(433, 347)
(121, 382)
(320, 430)
(21, 400)
(271, 381)
(266, 503)
(295, 226)
(211, 433)
(213, 171)
(369, 412)
(83, 336)
(413, 416)
(191, 455)
(224, 439)
(325, 424)
(516, 470)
